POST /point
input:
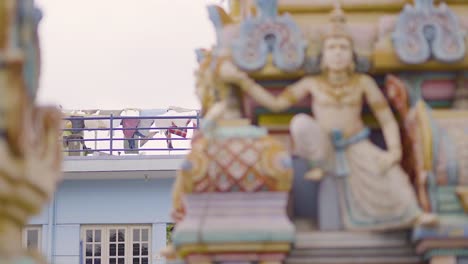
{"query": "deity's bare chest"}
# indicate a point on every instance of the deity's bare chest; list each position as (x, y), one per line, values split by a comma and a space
(340, 96)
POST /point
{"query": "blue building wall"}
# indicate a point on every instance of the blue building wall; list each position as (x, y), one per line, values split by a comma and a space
(79, 202)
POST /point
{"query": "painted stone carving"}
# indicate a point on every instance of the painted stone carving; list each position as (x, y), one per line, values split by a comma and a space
(374, 192)
(438, 142)
(424, 32)
(231, 186)
(30, 152)
(236, 178)
(237, 166)
(371, 189)
(269, 34)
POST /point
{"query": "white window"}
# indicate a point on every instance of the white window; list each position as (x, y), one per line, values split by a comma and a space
(109, 244)
(32, 237)
(92, 246)
(140, 245)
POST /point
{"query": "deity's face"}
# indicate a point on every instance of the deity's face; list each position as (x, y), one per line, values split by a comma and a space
(337, 54)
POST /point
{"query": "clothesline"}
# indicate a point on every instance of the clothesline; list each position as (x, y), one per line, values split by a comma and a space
(141, 112)
(137, 128)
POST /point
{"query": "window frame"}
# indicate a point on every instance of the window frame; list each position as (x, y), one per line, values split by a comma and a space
(140, 242)
(93, 243)
(105, 243)
(24, 240)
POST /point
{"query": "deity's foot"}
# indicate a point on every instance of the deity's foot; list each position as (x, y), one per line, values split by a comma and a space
(315, 174)
(427, 220)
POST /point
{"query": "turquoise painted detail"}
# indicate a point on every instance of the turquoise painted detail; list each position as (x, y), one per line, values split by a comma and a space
(239, 132)
(446, 252)
(441, 104)
(252, 235)
(449, 206)
(28, 18)
(439, 202)
(217, 22)
(268, 34)
(440, 137)
(435, 31)
(187, 236)
(340, 144)
(452, 160)
(448, 201)
(452, 225)
(207, 125)
(414, 83)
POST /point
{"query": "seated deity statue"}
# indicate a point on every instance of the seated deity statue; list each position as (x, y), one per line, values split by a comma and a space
(374, 191)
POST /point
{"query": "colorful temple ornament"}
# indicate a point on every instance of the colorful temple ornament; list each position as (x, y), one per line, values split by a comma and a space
(386, 177)
(336, 141)
(30, 152)
(265, 34)
(424, 32)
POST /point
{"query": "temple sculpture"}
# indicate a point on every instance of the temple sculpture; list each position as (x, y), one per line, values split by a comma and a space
(375, 193)
(30, 152)
(362, 96)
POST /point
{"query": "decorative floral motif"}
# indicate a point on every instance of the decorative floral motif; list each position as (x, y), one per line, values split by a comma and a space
(265, 34)
(424, 32)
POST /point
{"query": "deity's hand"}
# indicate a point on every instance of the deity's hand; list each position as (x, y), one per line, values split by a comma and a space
(387, 160)
(228, 72)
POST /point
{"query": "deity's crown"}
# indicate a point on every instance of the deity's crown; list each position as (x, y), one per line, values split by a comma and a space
(337, 26)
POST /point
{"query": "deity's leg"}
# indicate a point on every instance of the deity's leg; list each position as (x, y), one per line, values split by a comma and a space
(310, 143)
(308, 140)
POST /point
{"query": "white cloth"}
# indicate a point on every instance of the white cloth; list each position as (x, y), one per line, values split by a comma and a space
(180, 122)
(145, 123)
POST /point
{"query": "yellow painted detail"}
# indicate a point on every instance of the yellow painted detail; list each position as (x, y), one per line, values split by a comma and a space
(274, 119)
(426, 134)
(446, 114)
(233, 248)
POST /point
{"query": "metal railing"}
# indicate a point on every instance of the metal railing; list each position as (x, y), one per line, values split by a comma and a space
(120, 135)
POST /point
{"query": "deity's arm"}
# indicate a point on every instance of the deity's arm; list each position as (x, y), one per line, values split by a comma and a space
(384, 115)
(289, 97)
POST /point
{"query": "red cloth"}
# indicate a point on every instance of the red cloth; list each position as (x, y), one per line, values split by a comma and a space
(181, 132)
(130, 123)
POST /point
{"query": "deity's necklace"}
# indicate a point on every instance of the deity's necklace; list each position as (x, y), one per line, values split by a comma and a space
(337, 90)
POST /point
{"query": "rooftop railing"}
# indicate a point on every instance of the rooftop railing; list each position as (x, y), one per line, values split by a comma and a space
(128, 135)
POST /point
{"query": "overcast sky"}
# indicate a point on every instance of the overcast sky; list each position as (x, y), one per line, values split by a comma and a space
(113, 54)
